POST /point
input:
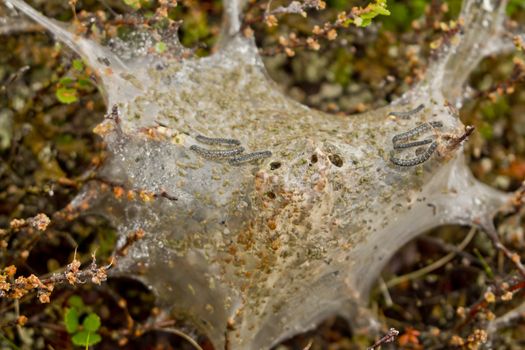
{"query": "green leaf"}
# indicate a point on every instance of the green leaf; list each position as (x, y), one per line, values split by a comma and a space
(78, 65)
(160, 47)
(371, 11)
(366, 22)
(85, 338)
(64, 81)
(380, 10)
(91, 322)
(66, 95)
(133, 3)
(76, 301)
(71, 320)
(84, 84)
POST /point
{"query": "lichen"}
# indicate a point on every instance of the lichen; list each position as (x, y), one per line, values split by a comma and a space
(256, 253)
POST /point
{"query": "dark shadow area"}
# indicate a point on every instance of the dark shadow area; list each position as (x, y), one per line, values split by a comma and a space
(432, 275)
(330, 332)
(437, 290)
(138, 299)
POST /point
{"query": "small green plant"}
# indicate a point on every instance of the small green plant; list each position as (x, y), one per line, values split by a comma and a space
(69, 86)
(364, 16)
(85, 333)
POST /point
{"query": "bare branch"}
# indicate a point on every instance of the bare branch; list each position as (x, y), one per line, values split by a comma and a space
(389, 337)
(506, 320)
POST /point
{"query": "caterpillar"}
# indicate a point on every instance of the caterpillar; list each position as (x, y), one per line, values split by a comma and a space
(412, 144)
(249, 157)
(407, 114)
(416, 160)
(416, 131)
(216, 154)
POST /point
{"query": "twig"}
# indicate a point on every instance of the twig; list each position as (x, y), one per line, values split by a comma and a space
(17, 288)
(162, 326)
(130, 239)
(295, 7)
(309, 345)
(506, 87)
(435, 265)
(389, 337)
(109, 8)
(180, 334)
(447, 247)
(507, 319)
(512, 256)
(386, 294)
(483, 302)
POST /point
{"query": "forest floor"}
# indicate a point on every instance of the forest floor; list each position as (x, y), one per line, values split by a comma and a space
(49, 105)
